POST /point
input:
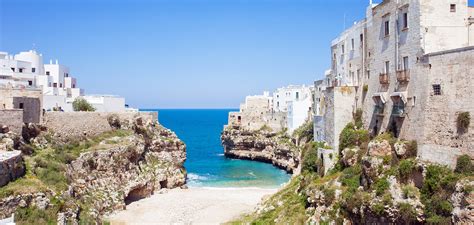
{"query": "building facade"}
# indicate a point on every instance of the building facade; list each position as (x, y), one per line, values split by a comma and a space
(59, 88)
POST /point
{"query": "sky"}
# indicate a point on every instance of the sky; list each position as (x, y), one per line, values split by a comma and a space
(181, 53)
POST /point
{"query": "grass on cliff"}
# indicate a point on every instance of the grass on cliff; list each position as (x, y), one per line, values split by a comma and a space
(45, 169)
(287, 206)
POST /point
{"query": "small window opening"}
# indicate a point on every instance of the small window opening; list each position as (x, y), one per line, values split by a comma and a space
(453, 7)
(437, 89)
(21, 106)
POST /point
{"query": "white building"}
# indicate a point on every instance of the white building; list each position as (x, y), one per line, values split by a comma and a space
(296, 101)
(60, 89)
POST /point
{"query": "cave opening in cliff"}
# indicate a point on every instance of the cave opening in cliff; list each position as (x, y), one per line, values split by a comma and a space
(137, 194)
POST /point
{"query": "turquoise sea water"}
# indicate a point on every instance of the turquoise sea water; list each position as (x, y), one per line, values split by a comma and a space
(206, 164)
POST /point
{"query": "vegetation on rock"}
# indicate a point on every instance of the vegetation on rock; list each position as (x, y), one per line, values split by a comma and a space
(80, 104)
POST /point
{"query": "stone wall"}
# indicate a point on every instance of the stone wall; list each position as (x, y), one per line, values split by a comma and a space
(13, 119)
(30, 100)
(72, 125)
(12, 166)
(340, 105)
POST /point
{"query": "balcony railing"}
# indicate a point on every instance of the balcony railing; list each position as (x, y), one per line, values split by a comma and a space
(379, 109)
(398, 110)
(403, 76)
(384, 78)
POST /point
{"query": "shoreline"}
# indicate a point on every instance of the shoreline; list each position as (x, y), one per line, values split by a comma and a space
(195, 205)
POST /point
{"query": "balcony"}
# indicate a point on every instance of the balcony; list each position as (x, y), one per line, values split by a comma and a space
(398, 110)
(379, 109)
(403, 76)
(384, 78)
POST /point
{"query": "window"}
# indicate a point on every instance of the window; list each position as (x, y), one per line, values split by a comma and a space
(55, 84)
(387, 67)
(47, 72)
(405, 20)
(21, 105)
(67, 74)
(60, 85)
(437, 89)
(387, 28)
(297, 95)
(343, 48)
(361, 40)
(13, 69)
(33, 70)
(352, 44)
(453, 7)
(30, 82)
(405, 63)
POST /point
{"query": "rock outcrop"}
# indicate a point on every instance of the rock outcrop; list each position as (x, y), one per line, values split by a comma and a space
(12, 166)
(263, 146)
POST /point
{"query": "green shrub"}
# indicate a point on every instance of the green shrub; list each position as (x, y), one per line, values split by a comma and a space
(378, 209)
(438, 186)
(350, 177)
(463, 121)
(329, 196)
(407, 213)
(80, 104)
(381, 186)
(310, 158)
(464, 165)
(365, 89)
(33, 215)
(304, 131)
(351, 137)
(410, 191)
(358, 118)
(411, 149)
(405, 169)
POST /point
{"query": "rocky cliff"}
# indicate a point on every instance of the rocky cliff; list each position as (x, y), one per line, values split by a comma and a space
(84, 178)
(261, 145)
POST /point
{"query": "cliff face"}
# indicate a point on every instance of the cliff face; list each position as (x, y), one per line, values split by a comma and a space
(264, 146)
(150, 159)
(81, 178)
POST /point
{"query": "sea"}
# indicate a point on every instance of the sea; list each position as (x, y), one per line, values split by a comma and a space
(200, 129)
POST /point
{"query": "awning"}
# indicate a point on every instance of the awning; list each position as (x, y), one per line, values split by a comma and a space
(380, 98)
(397, 96)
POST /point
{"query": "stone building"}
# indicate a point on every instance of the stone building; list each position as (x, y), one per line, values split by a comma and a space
(257, 112)
(59, 87)
(408, 64)
(19, 106)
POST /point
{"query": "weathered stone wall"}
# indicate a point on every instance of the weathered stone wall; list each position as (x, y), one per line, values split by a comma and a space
(13, 119)
(12, 166)
(30, 99)
(432, 119)
(339, 109)
(72, 125)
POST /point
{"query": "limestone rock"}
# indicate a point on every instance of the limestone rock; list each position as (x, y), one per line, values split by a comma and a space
(463, 202)
(12, 166)
(349, 156)
(400, 149)
(260, 146)
(379, 148)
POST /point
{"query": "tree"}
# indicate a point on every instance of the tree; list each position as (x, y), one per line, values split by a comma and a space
(81, 104)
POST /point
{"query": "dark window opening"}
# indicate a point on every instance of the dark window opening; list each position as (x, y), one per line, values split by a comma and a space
(30, 82)
(47, 72)
(453, 7)
(297, 95)
(21, 106)
(33, 70)
(55, 84)
(387, 28)
(405, 20)
(437, 89)
(239, 119)
(13, 69)
(73, 86)
(20, 70)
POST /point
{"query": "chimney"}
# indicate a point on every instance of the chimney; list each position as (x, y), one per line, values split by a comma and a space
(50, 61)
(57, 62)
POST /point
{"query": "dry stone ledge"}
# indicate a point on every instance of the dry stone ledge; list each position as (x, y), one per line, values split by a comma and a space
(12, 166)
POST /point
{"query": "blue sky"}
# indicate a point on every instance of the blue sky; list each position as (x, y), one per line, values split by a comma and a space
(181, 53)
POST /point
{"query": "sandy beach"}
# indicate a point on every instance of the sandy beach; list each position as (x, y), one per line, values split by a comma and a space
(192, 206)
